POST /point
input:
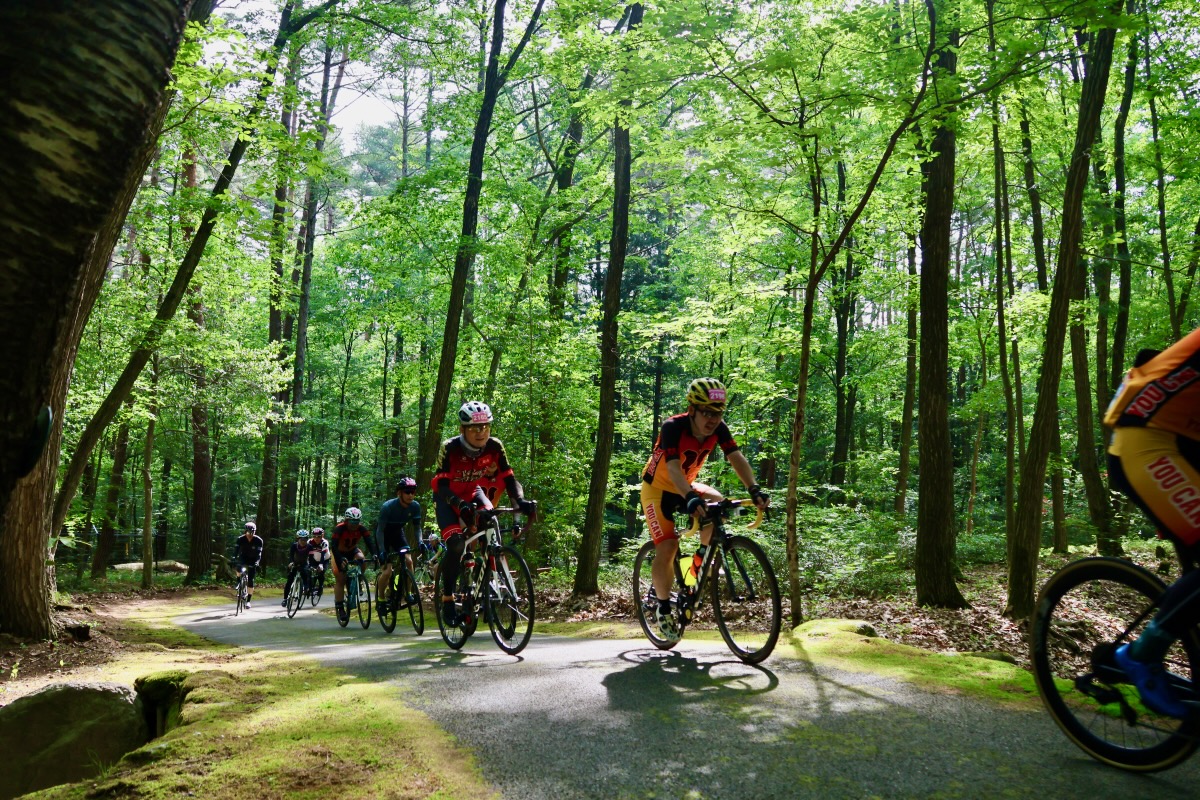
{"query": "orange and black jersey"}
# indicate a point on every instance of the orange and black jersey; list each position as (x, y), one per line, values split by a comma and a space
(675, 441)
(459, 472)
(1162, 393)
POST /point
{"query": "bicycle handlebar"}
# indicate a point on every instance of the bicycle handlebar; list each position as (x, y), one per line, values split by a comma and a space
(722, 508)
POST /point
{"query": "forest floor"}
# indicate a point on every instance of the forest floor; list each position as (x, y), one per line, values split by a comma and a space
(103, 630)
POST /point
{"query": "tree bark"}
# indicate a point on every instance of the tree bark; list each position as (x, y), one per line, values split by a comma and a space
(588, 559)
(1025, 540)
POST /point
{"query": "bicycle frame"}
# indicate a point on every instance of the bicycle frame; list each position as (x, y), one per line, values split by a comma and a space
(716, 512)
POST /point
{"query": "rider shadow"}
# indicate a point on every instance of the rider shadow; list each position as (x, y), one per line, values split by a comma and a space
(663, 682)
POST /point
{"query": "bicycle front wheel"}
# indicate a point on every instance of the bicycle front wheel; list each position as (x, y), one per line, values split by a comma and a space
(509, 597)
(364, 601)
(1085, 611)
(386, 603)
(318, 588)
(409, 594)
(746, 600)
(295, 595)
(455, 636)
(241, 596)
(643, 603)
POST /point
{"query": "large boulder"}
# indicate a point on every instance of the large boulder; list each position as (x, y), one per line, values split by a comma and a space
(67, 732)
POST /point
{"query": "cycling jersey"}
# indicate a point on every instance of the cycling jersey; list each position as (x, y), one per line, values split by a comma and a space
(345, 541)
(1162, 393)
(298, 552)
(394, 519)
(676, 442)
(459, 472)
(248, 551)
(1153, 454)
(318, 550)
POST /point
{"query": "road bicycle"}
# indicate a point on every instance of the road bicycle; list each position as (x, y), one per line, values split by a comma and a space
(358, 594)
(494, 583)
(242, 590)
(401, 594)
(1085, 612)
(733, 571)
(426, 560)
(307, 584)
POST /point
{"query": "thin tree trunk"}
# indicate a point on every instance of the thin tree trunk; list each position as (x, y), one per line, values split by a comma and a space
(910, 381)
(1025, 540)
(588, 560)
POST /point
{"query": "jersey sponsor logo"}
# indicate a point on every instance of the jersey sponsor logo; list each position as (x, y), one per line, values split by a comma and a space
(656, 531)
(1147, 401)
(1180, 492)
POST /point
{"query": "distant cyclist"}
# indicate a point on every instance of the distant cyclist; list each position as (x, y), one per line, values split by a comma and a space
(473, 459)
(399, 525)
(247, 553)
(669, 483)
(346, 536)
(1154, 458)
(318, 553)
(297, 555)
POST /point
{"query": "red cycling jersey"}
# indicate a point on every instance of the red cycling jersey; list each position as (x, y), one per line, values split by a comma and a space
(675, 441)
(345, 541)
(488, 468)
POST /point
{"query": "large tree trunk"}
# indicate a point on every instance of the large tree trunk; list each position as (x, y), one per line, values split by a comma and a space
(588, 558)
(1025, 539)
(935, 557)
(83, 102)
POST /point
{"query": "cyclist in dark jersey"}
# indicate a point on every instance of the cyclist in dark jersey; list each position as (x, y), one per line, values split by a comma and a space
(669, 482)
(247, 552)
(346, 536)
(399, 525)
(1154, 458)
(473, 459)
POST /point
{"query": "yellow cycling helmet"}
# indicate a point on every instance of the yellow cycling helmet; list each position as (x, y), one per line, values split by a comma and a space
(707, 393)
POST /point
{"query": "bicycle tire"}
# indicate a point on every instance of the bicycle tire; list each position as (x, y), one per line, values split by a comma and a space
(364, 601)
(744, 589)
(416, 612)
(295, 595)
(241, 595)
(455, 636)
(318, 588)
(643, 581)
(387, 618)
(1084, 611)
(510, 601)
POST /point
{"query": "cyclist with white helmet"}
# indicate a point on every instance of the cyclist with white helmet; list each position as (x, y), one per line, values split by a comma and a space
(399, 525)
(473, 459)
(346, 536)
(669, 482)
(318, 551)
(247, 553)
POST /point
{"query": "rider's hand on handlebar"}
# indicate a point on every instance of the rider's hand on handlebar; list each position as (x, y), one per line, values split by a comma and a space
(466, 512)
(760, 498)
(528, 507)
(695, 504)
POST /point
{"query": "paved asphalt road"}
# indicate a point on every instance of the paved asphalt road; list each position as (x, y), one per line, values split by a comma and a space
(581, 718)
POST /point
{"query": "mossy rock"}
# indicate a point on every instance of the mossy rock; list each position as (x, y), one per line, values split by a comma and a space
(161, 686)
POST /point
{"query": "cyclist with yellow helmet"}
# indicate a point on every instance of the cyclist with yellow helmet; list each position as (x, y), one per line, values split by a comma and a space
(669, 482)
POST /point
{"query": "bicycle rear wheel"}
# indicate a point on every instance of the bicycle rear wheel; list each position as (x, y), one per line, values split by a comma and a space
(408, 593)
(364, 601)
(386, 603)
(746, 600)
(318, 588)
(1085, 611)
(509, 601)
(643, 588)
(295, 594)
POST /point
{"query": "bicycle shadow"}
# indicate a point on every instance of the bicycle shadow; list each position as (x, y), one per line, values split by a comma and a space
(667, 680)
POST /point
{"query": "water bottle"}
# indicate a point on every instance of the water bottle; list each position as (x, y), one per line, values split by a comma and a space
(693, 573)
(685, 569)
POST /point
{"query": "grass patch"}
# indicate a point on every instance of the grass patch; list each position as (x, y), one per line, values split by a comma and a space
(276, 725)
(592, 629)
(852, 645)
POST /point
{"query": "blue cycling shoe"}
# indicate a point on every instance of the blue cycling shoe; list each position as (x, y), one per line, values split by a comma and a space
(1153, 684)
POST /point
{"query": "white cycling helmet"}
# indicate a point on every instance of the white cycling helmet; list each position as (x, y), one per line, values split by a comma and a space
(474, 412)
(354, 513)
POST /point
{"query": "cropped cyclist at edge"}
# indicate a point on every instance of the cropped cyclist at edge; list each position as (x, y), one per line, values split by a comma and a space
(399, 525)
(247, 552)
(346, 536)
(1154, 458)
(472, 459)
(669, 483)
(297, 555)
